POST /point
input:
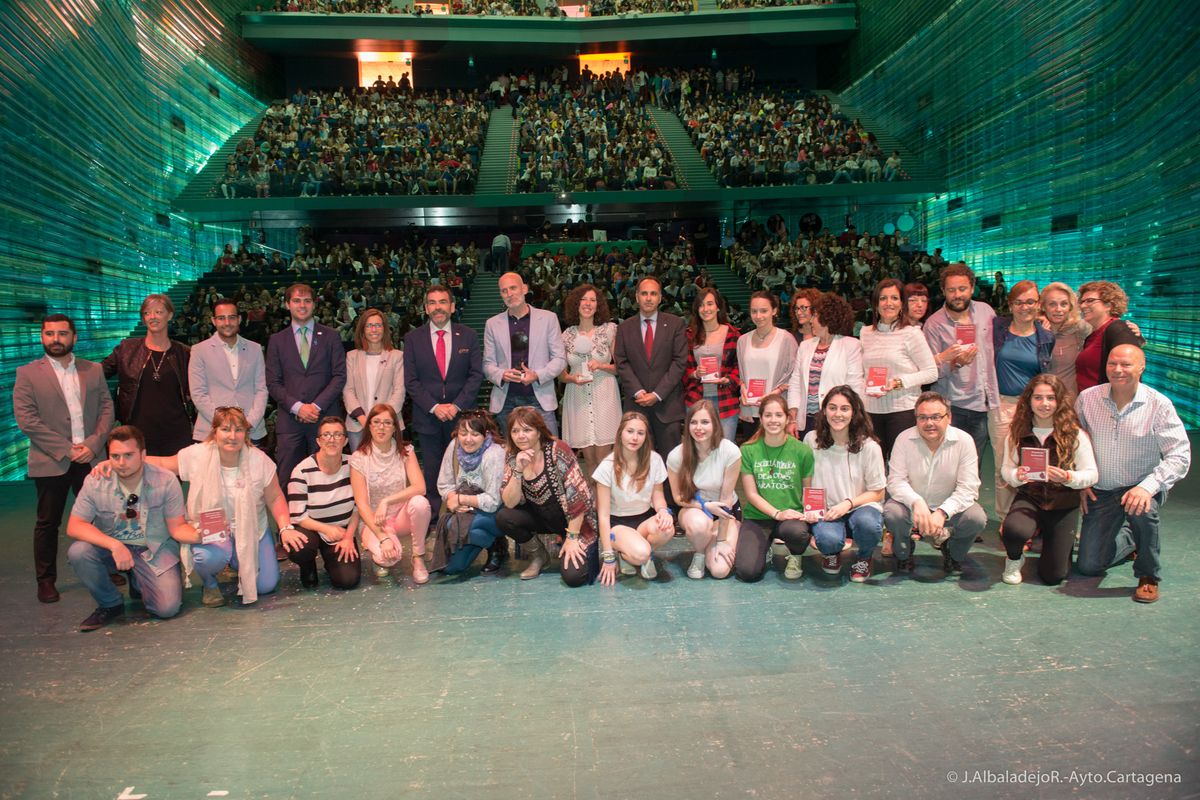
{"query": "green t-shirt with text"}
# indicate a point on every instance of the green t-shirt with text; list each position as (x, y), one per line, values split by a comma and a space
(779, 473)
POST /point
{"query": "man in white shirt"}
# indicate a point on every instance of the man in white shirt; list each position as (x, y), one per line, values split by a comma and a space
(501, 248)
(227, 370)
(933, 487)
(62, 404)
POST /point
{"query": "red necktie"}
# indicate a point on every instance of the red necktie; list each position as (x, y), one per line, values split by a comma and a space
(439, 352)
(649, 338)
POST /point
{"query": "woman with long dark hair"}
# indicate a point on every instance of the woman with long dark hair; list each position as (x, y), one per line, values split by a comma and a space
(1045, 419)
(711, 335)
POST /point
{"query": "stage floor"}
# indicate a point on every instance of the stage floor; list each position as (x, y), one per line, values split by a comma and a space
(502, 688)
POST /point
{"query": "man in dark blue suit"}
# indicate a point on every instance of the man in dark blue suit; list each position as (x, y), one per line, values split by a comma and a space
(306, 370)
(443, 369)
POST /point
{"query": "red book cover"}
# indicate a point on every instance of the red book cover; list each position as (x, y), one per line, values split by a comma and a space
(709, 369)
(756, 388)
(1035, 460)
(877, 380)
(964, 333)
(814, 500)
(213, 526)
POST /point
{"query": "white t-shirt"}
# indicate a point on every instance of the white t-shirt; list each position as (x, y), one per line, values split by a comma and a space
(625, 502)
(845, 475)
(257, 469)
(710, 473)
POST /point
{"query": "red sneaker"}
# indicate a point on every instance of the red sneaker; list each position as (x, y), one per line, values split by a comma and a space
(832, 565)
(860, 570)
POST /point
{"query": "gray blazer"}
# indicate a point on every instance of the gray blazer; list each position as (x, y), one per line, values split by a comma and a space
(213, 387)
(389, 386)
(41, 412)
(546, 357)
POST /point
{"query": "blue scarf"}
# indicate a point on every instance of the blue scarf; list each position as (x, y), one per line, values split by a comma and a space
(469, 462)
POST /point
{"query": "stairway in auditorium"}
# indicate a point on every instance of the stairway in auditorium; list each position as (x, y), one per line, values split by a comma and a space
(730, 285)
(204, 182)
(917, 169)
(485, 303)
(690, 170)
(498, 164)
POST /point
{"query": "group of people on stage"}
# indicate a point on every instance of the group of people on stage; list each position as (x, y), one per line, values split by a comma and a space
(842, 437)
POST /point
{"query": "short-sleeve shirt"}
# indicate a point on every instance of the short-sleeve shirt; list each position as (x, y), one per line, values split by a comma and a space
(256, 468)
(845, 475)
(779, 473)
(710, 473)
(626, 500)
(102, 502)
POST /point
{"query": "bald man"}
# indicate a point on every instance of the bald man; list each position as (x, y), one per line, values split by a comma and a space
(1142, 450)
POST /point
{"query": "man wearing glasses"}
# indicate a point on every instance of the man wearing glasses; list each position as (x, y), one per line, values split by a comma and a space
(228, 371)
(933, 487)
(132, 521)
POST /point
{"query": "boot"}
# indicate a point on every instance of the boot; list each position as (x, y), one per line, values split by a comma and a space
(538, 557)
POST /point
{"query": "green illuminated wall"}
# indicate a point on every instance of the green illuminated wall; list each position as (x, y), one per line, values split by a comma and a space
(91, 95)
(1042, 110)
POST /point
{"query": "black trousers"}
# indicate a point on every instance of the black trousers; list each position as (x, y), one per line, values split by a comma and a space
(342, 574)
(526, 520)
(1057, 526)
(433, 447)
(754, 541)
(667, 436)
(51, 502)
(889, 426)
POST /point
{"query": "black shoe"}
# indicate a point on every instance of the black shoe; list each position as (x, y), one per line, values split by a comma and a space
(46, 592)
(308, 576)
(101, 617)
(905, 566)
(496, 558)
(949, 565)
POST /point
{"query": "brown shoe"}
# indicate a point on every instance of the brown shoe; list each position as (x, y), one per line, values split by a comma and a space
(1147, 590)
(46, 592)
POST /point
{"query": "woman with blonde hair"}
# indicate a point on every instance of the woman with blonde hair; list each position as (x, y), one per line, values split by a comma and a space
(374, 374)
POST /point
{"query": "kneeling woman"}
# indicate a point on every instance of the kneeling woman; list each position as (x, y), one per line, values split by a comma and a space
(469, 483)
(545, 491)
(389, 489)
(849, 467)
(232, 487)
(1045, 418)
(631, 503)
(324, 519)
(703, 471)
(776, 469)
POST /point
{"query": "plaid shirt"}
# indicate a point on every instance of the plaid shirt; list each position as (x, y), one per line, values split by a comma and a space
(729, 395)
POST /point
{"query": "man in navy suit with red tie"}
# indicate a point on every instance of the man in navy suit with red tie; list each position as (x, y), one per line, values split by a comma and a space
(306, 370)
(443, 369)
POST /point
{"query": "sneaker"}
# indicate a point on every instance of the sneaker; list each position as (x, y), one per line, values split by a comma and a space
(791, 569)
(101, 617)
(211, 597)
(1012, 570)
(382, 571)
(860, 570)
(648, 570)
(696, 570)
(626, 567)
(832, 565)
(1146, 591)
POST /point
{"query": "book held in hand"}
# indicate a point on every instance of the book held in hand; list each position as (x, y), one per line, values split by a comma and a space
(1035, 460)
(877, 381)
(214, 528)
(710, 369)
(814, 500)
(756, 389)
(964, 333)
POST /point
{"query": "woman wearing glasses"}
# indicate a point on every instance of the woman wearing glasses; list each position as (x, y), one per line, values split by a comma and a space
(374, 373)
(1022, 349)
(324, 518)
(801, 312)
(1102, 304)
(389, 489)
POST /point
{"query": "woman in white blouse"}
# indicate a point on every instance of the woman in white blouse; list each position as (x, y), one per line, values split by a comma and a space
(830, 358)
(703, 471)
(765, 354)
(898, 353)
(374, 374)
(631, 503)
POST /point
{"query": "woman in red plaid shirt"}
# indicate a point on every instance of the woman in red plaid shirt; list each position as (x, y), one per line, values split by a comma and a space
(712, 365)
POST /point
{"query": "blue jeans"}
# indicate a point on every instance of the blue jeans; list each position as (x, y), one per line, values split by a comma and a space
(210, 559)
(511, 402)
(975, 425)
(864, 525)
(482, 533)
(161, 594)
(1109, 535)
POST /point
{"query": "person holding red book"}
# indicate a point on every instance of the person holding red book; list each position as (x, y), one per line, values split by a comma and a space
(712, 364)
(765, 356)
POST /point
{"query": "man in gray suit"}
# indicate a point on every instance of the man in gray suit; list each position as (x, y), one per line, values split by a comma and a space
(522, 355)
(62, 404)
(227, 370)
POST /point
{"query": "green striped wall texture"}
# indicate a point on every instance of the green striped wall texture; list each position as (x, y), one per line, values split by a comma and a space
(1042, 110)
(88, 93)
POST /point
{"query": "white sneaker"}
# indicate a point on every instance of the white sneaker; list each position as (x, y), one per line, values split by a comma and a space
(1012, 570)
(696, 570)
(649, 572)
(381, 572)
(626, 567)
(791, 570)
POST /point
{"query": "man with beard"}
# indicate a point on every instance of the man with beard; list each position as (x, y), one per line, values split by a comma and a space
(965, 368)
(62, 404)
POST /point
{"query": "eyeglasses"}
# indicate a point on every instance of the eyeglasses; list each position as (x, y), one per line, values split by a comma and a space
(1023, 303)
(131, 506)
(1087, 301)
(331, 437)
(382, 423)
(931, 417)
